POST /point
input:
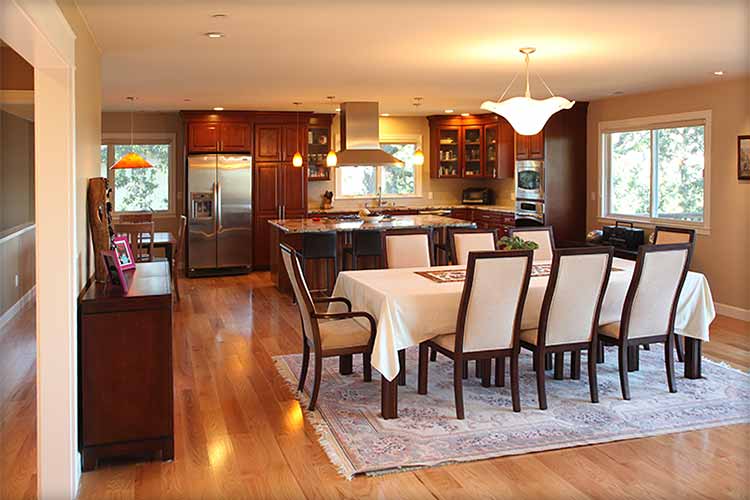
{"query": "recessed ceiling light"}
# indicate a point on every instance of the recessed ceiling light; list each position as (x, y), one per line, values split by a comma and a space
(219, 108)
(214, 34)
(719, 73)
(385, 114)
(449, 111)
(464, 114)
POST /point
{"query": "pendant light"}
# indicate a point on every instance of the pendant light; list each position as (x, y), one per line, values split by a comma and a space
(131, 159)
(418, 157)
(297, 159)
(331, 158)
(525, 114)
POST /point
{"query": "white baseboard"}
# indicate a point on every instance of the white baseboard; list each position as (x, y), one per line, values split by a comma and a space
(18, 306)
(732, 311)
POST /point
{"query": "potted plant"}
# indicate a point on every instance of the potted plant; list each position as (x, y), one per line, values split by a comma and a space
(516, 243)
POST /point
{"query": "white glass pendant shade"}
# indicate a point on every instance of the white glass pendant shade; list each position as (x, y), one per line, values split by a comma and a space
(297, 159)
(526, 115)
(331, 159)
(418, 158)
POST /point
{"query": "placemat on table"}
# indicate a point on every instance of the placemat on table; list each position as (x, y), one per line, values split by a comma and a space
(456, 275)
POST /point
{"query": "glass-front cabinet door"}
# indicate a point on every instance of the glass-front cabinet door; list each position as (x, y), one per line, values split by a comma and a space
(448, 151)
(473, 152)
(318, 145)
(490, 150)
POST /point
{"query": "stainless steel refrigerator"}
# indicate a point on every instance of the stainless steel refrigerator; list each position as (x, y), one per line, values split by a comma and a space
(219, 214)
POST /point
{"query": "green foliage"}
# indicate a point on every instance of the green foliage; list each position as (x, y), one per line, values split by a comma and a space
(142, 190)
(399, 180)
(516, 243)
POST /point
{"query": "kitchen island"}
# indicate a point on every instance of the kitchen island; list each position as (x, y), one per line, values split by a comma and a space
(290, 231)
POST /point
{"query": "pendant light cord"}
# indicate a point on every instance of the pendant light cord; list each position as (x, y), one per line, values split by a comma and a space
(545, 84)
(508, 87)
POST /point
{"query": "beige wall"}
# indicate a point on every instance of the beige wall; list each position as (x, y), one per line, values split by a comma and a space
(444, 191)
(88, 109)
(721, 255)
(16, 172)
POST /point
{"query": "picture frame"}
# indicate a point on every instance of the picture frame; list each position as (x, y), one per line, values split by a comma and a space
(114, 271)
(123, 252)
(743, 157)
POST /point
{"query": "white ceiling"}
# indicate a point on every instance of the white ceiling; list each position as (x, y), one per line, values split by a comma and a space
(454, 53)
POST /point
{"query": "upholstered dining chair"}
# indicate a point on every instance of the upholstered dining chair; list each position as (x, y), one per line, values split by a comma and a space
(140, 236)
(667, 235)
(650, 306)
(465, 240)
(407, 248)
(331, 334)
(489, 319)
(570, 313)
(177, 253)
(542, 236)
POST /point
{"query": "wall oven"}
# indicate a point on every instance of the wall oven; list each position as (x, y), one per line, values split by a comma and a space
(529, 213)
(530, 180)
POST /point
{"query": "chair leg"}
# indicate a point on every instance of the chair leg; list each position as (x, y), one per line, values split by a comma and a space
(402, 364)
(680, 351)
(669, 360)
(316, 382)
(486, 367)
(433, 355)
(622, 364)
(367, 366)
(500, 371)
(548, 361)
(465, 369)
(515, 392)
(575, 365)
(593, 386)
(599, 352)
(633, 358)
(305, 364)
(477, 369)
(559, 365)
(458, 388)
(424, 365)
(540, 374)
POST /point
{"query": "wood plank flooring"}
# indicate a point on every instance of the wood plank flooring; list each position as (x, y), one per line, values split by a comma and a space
(241, 434)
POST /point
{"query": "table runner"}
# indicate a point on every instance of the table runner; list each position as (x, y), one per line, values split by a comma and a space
(411, 309)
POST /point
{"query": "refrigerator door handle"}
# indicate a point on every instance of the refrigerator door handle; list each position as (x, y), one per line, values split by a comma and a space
(218, 206)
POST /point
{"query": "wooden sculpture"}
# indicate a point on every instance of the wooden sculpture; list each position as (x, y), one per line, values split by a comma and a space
(100, 222)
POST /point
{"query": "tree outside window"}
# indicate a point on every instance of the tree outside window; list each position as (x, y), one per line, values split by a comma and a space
(140, 190)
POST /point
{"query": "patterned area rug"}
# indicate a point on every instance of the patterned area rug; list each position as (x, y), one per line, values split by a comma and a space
(427, 432)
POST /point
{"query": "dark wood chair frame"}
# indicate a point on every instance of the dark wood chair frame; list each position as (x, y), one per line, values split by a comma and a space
(540, 350)
(549, 229)
(486, 357)
(625, 345)
(401, 232)
(453, 231)
(140, 236)
(347, 352)
(176, 257)
(354, 249)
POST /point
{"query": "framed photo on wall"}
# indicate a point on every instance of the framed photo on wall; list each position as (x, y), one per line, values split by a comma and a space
(124, 253)
(114, 271)
(743, 157)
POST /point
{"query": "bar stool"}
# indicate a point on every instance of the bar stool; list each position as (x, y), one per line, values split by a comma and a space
(320, 246)
(365, 244)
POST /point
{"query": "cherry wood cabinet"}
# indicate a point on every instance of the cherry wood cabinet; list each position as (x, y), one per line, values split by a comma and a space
(486, 219)
(472, 147)
(219, 137)
(268, 142)
(319, 143)
(203, 137)
(530, 147)
(235, 137)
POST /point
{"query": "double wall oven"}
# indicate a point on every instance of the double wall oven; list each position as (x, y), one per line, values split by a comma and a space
(529, 193)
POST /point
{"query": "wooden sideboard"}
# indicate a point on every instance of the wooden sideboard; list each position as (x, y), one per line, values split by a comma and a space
(125, 368)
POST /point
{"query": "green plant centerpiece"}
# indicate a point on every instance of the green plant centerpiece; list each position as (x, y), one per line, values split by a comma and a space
(516, 243)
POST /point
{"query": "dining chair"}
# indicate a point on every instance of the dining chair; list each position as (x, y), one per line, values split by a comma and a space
(177, 253)
(664, 235)
(489, 320)
(331, 334)
(136, 217)
(542, 236)
(407, 248)
(465, 240)
(648, 314)
(570, 313)
(140, 236)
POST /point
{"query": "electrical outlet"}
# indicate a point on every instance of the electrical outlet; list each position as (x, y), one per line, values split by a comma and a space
(16, 281)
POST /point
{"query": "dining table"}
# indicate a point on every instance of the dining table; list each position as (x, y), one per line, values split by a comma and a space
(411, 307)
(162, 239)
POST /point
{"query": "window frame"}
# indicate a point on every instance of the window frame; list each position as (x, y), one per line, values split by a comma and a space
(120, 139)
(652, 123)
(415, 139)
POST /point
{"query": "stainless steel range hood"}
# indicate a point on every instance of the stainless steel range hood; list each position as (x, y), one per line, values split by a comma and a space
(360, 137)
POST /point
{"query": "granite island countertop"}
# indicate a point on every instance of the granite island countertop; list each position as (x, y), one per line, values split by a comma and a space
(309, 225)
(489, 208)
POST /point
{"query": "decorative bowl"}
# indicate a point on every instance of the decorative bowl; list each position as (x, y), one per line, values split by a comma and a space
(371, 219)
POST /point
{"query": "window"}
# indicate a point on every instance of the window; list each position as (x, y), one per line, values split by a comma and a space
(655, 170)
(141, 190)
(364, 181)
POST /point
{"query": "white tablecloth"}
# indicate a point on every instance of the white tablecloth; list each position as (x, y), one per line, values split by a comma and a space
(410, 308)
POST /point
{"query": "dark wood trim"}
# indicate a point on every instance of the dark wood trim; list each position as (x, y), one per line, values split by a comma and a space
(681, 230)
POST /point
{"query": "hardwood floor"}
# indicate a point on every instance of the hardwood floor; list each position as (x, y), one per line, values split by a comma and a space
(241, 434)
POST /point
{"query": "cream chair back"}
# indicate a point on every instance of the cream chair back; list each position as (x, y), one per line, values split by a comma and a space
(578, 280)
(301, 293)
(465, 241)
(489, 317)
(407, 249)
(542, 236)
(652, 297)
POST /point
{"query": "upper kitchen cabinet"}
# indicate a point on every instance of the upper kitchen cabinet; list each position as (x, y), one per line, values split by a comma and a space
(203, 137)
(318, 145)
(530, 147)
(235, 137)
(471, 147)
(227, 132)
(269, 142)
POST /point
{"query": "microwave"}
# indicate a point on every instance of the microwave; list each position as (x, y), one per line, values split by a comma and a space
(477, 196)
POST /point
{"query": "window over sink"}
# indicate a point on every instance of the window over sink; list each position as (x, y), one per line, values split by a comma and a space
(656, 170)
(393, 182)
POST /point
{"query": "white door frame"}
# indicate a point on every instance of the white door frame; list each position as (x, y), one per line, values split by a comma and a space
(38, 31)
